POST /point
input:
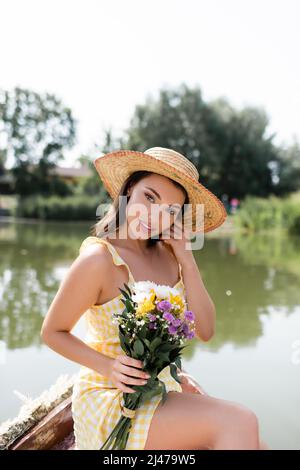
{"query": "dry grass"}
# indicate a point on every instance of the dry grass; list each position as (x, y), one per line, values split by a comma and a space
(33, 410)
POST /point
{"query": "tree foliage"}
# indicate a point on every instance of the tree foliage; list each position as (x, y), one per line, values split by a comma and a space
(230, 148)
(35, 130)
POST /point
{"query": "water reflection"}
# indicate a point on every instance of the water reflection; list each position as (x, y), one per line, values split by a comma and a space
(244, 276)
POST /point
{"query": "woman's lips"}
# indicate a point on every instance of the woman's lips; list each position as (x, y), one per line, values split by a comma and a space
(144, 226)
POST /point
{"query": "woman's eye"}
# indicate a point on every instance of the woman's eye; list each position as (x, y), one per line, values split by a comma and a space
(149, 196)
(173, 212)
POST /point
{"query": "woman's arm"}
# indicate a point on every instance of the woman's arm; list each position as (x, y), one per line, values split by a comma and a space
(198, 300)
(78, 291)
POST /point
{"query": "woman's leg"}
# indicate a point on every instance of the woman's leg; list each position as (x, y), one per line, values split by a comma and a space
(196, 421)
(189, 385)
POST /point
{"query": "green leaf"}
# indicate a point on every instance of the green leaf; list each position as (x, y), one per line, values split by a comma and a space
(128, 289)
(124, 293)
(124, 343)
(173, 369)
(175, 353)
(138, 347)
(164, 392)
(129, 305)
(143, 331)
(164, 357)
(151, 393)
(154, 343)
(178, 362)
(164, 347)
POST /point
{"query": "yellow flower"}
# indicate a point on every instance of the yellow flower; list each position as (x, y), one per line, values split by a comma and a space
(177, 299)
(147, 306)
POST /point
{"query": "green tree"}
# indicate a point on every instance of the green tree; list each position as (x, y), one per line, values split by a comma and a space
(230, 148)
(92, 184)
(35, 129)
(246, 152)
(287, 170)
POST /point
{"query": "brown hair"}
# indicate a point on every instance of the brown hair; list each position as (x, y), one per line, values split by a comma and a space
(115, 214)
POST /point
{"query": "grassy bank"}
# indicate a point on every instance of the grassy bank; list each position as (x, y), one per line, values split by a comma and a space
(254, 215)
(81, 207)
(273, 213)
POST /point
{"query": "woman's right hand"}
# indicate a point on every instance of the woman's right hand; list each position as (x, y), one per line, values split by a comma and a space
(125, 370)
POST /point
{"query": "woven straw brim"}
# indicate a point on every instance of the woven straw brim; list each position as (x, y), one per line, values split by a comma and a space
(115, 167)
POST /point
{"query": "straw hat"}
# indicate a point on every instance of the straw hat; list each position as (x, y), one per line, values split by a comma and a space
(114, 168)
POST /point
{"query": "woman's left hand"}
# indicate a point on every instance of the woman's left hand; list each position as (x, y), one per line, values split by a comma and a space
(189, 384)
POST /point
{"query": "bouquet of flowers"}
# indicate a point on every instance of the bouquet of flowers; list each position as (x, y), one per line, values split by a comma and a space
(153, 328)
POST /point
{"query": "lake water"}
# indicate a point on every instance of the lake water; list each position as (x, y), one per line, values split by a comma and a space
(253, 359)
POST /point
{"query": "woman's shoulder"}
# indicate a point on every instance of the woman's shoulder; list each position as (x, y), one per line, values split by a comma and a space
(90, 241)
(93, 248)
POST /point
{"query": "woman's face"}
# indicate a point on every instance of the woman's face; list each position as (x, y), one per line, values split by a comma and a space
(153, 206)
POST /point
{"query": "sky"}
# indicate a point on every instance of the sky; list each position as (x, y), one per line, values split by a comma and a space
(102, 58)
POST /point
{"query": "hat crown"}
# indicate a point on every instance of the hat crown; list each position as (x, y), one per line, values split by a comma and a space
(174, 158)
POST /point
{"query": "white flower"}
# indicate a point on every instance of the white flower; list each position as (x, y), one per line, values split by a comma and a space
(143, 286)
(163, 292)
(139, 297)
(142, 290)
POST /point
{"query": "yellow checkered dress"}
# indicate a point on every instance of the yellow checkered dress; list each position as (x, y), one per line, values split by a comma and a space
(95, 399)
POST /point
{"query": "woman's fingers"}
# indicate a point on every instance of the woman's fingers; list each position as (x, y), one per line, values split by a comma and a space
(124, 388)
(131, 380)
(130, 361)
(133, 372)
(127, 368)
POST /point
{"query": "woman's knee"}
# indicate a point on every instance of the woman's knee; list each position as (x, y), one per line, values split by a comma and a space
(244, 419)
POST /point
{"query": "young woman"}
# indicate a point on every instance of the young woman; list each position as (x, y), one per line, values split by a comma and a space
(130, 244)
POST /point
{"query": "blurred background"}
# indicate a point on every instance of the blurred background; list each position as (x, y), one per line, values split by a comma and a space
(217, 81)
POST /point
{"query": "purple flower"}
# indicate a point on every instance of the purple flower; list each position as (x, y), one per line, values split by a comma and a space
(168, 316)
(185, 329)
(163, 305)
(190, 335)
(189, 315)
(186, 332)
(151, 317)
(176, 322)
(172, 330)
(152, 326)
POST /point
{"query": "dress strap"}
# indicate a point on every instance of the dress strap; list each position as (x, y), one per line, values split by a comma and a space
(115, 255)
(180, 272)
